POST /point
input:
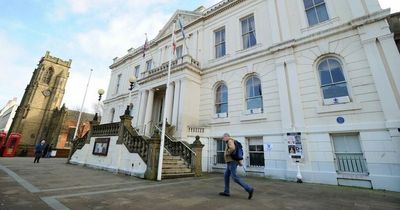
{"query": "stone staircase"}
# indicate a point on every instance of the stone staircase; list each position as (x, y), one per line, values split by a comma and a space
(175, 167)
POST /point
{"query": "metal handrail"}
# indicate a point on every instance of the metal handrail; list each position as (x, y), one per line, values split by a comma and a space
(171, 139)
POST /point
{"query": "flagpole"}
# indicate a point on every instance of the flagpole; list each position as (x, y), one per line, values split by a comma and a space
(142, 127)
(79, 117)
(83, 103)
(160, 158)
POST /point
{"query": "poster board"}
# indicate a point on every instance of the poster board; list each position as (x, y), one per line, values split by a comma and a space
(295, 147)
(101, 146)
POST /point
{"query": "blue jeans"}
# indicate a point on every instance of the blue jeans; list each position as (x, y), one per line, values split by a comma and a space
(231, 171)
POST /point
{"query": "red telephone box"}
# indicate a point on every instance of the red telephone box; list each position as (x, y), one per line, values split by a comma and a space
(12, 145)
(2, 138)
(2, 141)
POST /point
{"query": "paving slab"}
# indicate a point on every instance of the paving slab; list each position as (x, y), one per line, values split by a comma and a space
(52, 184)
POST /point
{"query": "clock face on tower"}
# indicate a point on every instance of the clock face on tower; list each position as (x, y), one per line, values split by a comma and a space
(46, 93)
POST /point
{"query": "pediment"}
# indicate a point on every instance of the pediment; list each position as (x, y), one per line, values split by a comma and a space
(186, 16)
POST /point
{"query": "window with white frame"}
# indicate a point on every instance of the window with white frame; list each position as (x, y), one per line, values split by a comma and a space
(254, 101)
(149, 65)
(221, 100)
(256, 152)
(220, 151)
(220, 49)
(333, 81)
(179, 51)
(118, 83)
(349, 157)
(316, 11)
(137, 71)
(248, 32)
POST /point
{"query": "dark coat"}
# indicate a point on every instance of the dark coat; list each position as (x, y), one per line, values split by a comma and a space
(39, 149)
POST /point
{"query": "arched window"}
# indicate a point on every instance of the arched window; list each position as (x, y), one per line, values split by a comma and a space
(112, 115)
(48, 75)
(333, 82)
(221, 99)
(254, 94)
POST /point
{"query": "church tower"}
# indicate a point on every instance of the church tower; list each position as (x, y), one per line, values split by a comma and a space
(42, 101)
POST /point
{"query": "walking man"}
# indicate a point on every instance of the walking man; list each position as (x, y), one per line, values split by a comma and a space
(231, 166)
(39, 151)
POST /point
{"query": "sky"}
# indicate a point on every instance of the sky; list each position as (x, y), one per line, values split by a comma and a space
(90, 32)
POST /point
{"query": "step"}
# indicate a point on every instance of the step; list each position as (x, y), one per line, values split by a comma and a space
(176, 171)
(174, 176)
(171, 157)
(173, 161)
(169, 166)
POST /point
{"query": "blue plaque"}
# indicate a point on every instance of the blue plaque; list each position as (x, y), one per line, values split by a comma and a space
(340, 120)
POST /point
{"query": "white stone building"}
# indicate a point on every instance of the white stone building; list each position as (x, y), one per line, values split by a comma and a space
(260, 69)
(7, 114)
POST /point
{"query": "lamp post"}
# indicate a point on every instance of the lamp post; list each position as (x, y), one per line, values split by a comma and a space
(132, 81)
(101, 93)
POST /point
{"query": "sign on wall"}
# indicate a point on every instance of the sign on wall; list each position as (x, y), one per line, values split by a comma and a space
(295, 148)
(101, 146)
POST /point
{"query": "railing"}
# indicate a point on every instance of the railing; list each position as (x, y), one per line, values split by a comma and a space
(177, 148)
(79, 143)
(135, 143)
(351, 163)
(164, 67)
(195, 129)
(110, 129)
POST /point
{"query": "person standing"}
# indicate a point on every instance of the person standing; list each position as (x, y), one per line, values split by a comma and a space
(48, 154)
(231, 166)
(39, 151)
(46, 148)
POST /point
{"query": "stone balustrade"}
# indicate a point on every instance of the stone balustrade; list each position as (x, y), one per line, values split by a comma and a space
(186, 59)
(110, 129)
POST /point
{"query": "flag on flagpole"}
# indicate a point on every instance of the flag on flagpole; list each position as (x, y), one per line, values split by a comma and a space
(180, 23)
(181, 27)
(173, 42)
(146, 46)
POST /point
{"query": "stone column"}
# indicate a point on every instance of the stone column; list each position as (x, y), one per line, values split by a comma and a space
(283, 20)
(175, 109)
(273, 16)
(197, 147)
(294, 94)
(168, 108)
(142, 110)
(153, 152)
(286, 114)
(357, 8)
(383, 86)
(391, 54)
(149, 112)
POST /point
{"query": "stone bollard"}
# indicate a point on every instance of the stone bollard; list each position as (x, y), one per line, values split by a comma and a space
(153, 152)
(197, 147)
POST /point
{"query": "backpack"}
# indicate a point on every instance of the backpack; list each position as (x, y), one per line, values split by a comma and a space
(238, 153)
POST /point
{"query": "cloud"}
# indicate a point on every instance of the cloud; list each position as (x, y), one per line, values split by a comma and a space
(98, 43)
(13, 68)
(89, 32)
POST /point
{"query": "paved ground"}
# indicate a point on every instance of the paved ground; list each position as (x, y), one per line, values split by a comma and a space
(52, 184)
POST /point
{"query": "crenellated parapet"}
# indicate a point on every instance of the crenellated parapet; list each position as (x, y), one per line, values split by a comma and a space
(56, 60)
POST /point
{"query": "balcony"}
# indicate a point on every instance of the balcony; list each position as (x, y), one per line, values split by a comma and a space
(178, 64)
